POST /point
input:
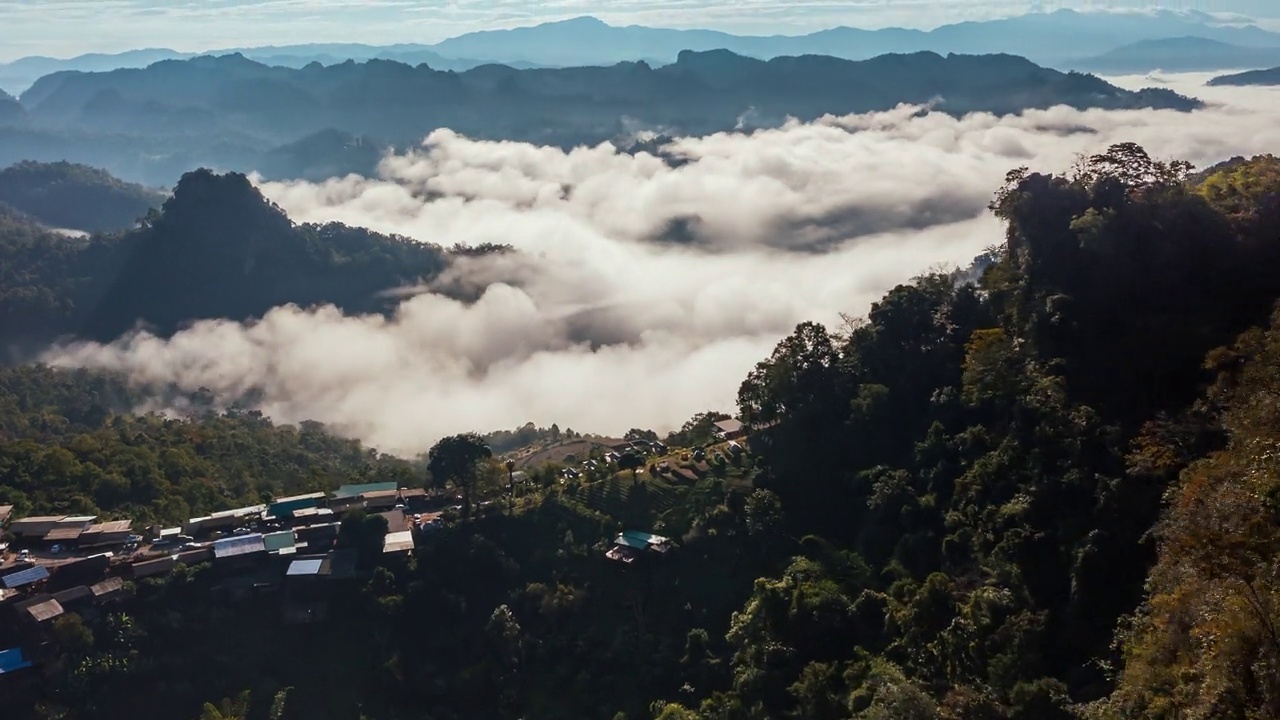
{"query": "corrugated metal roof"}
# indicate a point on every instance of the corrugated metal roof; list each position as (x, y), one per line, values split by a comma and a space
(347, 491)
(398, 541)
(46, 610)
(37, 519)
(274, 542)
(153, 567)
(239, 512)
(114, 526)
(196, 556)
(11, 660)
(83, 519)
(239, 545)
(107, 587)
(63, 533)
(305, 567)
(71, 595)
(5, 512)
(25, 577)
(294, 498)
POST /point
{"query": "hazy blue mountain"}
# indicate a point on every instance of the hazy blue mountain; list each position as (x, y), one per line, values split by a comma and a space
(1057, 39)
(1270, 76)
(1047, 38)
(322, 155)
(229, 112)
(19, 75)
(1184, 54)
(11, 111)
(16, 76)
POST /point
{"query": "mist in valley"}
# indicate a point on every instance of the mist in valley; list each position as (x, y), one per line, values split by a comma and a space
(640, 291)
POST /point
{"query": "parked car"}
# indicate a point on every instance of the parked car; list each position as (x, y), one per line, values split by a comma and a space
(56, 549)
(24, 554)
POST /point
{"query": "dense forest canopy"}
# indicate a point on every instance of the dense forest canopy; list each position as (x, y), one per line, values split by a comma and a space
(215, 249)
(75, 197)
(1047, 493)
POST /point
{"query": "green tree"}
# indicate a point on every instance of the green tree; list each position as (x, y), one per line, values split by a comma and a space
(455, 460)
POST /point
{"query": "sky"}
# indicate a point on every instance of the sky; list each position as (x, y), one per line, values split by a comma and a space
(64, 28)
(596, 323)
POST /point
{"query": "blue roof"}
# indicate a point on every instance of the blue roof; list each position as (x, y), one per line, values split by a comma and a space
(11, 660)
(643, 537)
(238, 545)
(25, 577)
(305, 567)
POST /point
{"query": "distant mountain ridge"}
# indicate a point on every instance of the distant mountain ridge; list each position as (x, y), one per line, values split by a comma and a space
(1269, 76)
(227, 112)
(1057, 39)
(216, 248)
(1183, 54)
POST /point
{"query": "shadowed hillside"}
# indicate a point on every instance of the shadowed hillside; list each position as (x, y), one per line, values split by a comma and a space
(229, 112)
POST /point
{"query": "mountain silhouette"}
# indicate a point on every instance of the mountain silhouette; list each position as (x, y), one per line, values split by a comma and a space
(1183, 54)
(229, 112)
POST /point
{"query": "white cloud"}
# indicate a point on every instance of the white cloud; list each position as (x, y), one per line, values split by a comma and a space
(595, 325)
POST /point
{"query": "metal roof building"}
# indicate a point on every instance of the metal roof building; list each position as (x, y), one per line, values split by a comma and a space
(398, 542)
(42, 525)
(282, 542)
(347, 491)
(148, 568)
(306, 567)
(222, 519)
(25, 577)
(238, 545)
(11, 660)
(44, 610)
(115, 532)
(5, 512)
(107, 589)
(64, 533)
(195, 557)
(287, 507)
(72, 595)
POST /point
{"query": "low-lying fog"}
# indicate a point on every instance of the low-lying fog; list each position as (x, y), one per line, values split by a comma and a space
(602, 322)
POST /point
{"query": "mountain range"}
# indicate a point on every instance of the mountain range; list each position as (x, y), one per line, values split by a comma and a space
(150, 125)
(214, 248)
(1064, 39)
(1268, 76)
(1181, 54)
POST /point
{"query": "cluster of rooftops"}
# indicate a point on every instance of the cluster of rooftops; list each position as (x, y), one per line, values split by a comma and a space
(76, 568)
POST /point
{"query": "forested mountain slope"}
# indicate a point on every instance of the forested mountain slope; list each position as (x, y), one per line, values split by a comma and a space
(946, 512)
(215, 249)
(75, 197)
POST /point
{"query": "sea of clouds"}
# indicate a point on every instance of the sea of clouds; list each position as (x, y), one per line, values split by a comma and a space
(602, 321)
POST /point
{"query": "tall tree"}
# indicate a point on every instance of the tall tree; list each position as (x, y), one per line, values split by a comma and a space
(455, 460)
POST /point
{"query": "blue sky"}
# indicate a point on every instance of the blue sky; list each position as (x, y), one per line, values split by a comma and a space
(63, 28)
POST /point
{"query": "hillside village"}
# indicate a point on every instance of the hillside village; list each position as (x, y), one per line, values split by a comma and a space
(289, 551)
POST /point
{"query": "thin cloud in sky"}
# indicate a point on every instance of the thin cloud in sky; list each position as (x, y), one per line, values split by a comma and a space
(64, 28)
